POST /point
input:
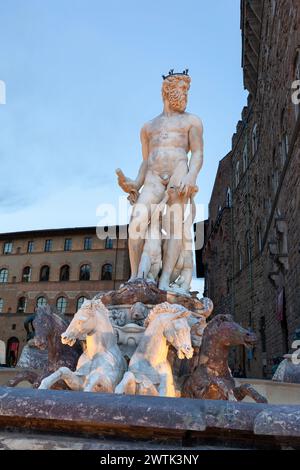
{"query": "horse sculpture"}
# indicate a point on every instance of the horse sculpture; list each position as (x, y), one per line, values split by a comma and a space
(47, 327)
(101, 367)
(212, 378)
(149, 371)
(288, 371)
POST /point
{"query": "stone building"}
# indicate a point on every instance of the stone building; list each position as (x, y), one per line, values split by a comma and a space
(60, 267)
(252, 242)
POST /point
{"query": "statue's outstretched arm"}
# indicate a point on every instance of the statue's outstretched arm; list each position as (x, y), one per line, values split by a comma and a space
(133, 186)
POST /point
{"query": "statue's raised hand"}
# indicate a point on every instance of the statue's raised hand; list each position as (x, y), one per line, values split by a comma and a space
(188, 185)
(129, 186)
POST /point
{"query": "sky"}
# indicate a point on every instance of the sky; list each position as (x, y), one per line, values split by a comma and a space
(83, 76)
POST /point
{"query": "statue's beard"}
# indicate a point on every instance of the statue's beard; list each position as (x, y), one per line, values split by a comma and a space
(177, 101)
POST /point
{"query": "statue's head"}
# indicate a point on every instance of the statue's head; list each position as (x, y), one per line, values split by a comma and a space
(84, 322)
(175, 89)
(227, 332)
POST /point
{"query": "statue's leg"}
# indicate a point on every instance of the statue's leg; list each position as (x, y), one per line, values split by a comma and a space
(173, 245)
(39, 379)
(73, 381)
(155, 268)
(166, 386)
(152, 193)
(144, 266)
(186, 274)
(28, 376)
(127, 385)
(173, 226)
(98, 382)
(247, 390)
(206, 387)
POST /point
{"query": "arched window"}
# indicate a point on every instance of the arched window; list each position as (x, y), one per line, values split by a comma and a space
(7, 248)
(284, 147)
(228, 198)
(239, 257)
(237, 174)
(44, 273)
(3, 275)
(2, 353)
(284, 140)
(88, 243)
(273, 7)
(64, 273)
(61, 304)
(245, 158)
(41, 301)
(26, 275)
(296, 94)
(12, 351)
(258, 238)
(85, 272)
(1, 305)
(248, 247)
(108, 243)
(22, 302)
(254, 140)
(106, 274)
(80, 301)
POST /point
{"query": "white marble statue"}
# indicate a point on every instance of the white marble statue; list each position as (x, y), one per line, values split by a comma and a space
(149, 371)
(151, 259)
(102, 365)
(182, 274)
(166, 142)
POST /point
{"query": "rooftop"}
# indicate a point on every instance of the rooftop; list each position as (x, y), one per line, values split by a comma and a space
(53, 232)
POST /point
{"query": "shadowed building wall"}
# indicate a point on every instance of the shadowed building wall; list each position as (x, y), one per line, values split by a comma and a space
(252, 250)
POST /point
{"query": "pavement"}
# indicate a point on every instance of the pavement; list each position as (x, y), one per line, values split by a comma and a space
(38, 441)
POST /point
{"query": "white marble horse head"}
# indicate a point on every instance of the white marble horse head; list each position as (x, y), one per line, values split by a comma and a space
(174, 320)
(86, 321)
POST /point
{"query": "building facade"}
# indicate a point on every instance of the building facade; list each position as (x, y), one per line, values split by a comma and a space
(59, 267)
(252, 242)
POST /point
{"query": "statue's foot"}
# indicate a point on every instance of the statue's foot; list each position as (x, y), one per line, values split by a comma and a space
(164, 286)
(151, 280)
(179, 290)
(43, 385)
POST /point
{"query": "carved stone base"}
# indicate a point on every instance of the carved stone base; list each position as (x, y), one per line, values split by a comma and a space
(141, 417)
(148, 293)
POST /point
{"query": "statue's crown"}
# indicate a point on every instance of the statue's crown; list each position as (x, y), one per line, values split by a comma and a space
(171, 73)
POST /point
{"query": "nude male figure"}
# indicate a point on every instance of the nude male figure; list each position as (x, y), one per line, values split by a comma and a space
(166, 141)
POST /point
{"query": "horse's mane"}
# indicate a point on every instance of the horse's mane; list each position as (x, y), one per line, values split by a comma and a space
(164, 308)
(216, 321)
(97, 303)
(46, 310)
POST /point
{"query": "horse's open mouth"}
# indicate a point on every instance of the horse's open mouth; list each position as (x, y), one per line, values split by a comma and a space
(249, 343)
(67, 340)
